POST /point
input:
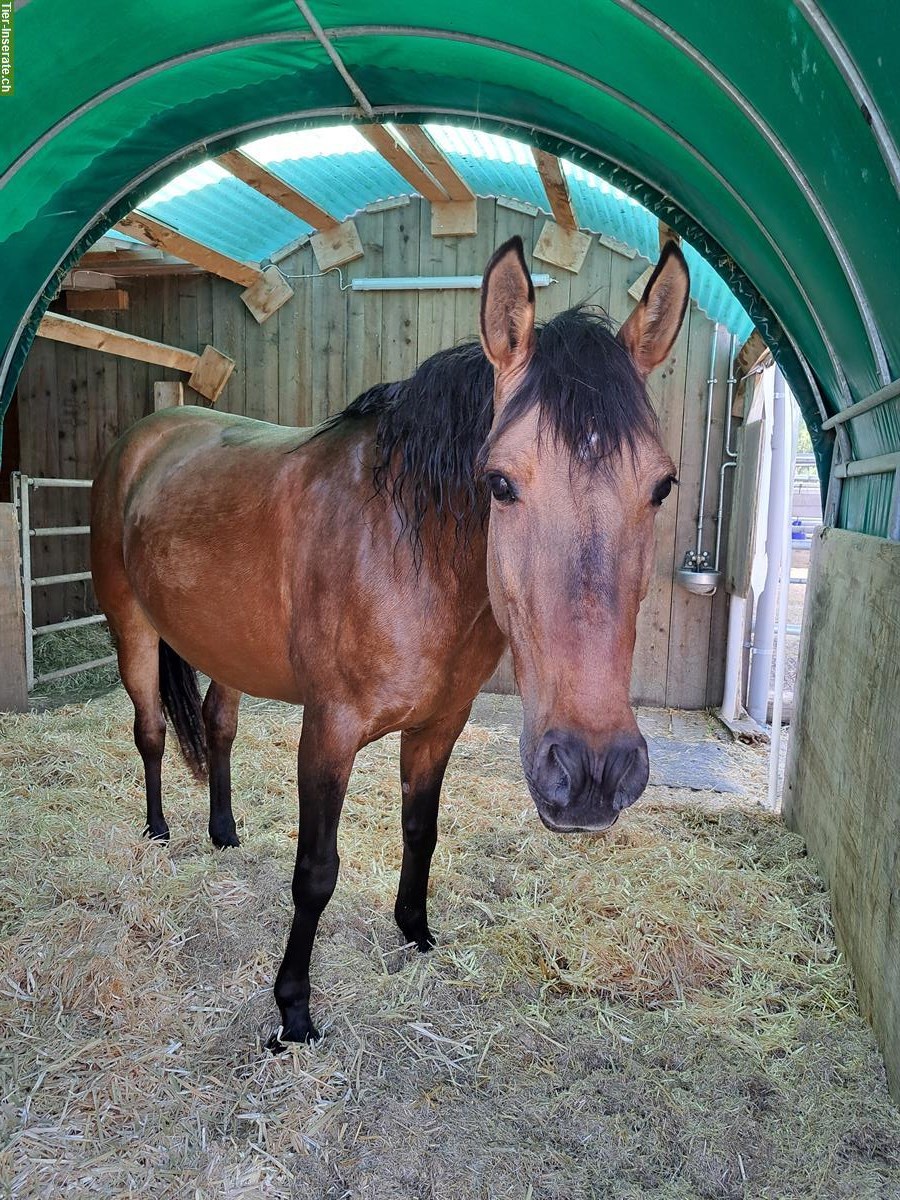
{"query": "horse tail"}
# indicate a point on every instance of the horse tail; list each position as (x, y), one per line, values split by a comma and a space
(180, 696)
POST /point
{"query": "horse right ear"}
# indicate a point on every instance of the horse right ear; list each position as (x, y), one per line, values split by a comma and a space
(507, 308)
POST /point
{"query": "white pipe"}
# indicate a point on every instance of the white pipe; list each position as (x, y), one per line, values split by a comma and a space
(790, 456)
(729, 458)
(764, 620)
(710, 384)
(423, 283)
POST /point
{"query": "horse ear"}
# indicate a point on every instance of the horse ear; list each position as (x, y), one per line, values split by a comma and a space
(507, 308)
(650, 332)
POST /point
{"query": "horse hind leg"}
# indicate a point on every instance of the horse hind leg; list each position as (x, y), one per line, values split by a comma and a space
(424, 754)
(220, 717)
(137, 648)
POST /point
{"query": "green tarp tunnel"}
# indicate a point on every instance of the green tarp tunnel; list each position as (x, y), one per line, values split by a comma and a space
(766, 133)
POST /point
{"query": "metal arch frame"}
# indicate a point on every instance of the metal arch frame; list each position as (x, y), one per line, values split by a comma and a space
(412, 31)
(314, 115)
(787, 161)
(856, 85)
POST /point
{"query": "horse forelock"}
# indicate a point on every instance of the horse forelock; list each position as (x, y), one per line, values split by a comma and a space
(433, 429)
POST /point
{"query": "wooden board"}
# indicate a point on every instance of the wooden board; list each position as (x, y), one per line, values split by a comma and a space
(841, 788)
(96, 299)
(267, 294)
(337, 245)
(744, 499)
(560, 247)
(13, 689)
(167, 395)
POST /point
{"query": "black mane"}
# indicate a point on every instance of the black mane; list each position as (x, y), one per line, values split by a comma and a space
(432, 428)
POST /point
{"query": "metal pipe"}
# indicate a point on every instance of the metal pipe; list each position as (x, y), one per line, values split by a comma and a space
(729, 458)
(73, 623)
(710, 384)
(789, 454)
(79, 483)
(764, 623)
(87, 666)
(879, 465)
(862, 406)
(59, 530)
(74, 577)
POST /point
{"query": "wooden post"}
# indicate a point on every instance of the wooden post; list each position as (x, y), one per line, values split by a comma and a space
(209, 371)
(562, 243)
(167, 395)
(13, 687)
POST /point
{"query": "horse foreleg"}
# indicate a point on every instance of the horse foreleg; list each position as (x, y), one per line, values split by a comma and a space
(220, 716)
(137, 648)
(324, 761)
(424, 754)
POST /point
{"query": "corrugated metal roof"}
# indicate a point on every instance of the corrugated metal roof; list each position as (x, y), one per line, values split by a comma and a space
(338, 170)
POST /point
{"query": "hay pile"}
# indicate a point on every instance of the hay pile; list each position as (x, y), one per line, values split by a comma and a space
(660, 1013)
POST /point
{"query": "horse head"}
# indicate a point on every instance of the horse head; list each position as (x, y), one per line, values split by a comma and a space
(577, 474)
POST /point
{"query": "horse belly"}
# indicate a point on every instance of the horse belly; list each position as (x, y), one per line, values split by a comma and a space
(215, 595)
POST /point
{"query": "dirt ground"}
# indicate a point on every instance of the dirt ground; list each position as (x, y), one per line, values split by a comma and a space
(660, 1013)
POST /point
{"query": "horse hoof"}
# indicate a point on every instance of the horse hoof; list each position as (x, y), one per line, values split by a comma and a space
(222, 841)
(156, 835)
(281, 1038)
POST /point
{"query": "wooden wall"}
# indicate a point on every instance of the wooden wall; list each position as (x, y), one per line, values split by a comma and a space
(329, 343)
(841, 788)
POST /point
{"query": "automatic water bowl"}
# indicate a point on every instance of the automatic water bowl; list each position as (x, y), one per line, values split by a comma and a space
(697, 576)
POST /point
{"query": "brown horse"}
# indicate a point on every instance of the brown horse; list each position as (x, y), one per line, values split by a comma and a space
(373, 570)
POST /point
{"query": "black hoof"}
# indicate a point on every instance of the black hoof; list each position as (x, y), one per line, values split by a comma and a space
(223, 840)
(281, 1038)
(422, 939)
(157, 834)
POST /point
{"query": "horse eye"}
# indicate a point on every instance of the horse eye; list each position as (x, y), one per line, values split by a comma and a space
(662, 490)
(501, 489)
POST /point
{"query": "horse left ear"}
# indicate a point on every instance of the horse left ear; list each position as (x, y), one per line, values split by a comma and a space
(650, 332)
(507, 308)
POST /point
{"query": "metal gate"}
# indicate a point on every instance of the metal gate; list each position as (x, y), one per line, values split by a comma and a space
(23, 486)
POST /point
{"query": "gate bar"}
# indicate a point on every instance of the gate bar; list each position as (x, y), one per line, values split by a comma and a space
(59, 530)
(86, 666)
(74, 577)
(73, 624)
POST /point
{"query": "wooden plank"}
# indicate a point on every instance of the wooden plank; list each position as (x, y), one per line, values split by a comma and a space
(365, 332)
(156, 233)
(841, 789)
(690, 615)
(750, 354)
(565, 248)
(557, 189)
(211, 373)
(400, 309)
(432, 157)
(87, 279)
(61, 328)
(336, 246)
(403, 162)
(96, 300)
(167, 394)
(13, 688)
(229, 334)
(264, 297)
(454, 218)
(262, 180)
(293, 337)
(651, 654)
(436, 323)
(472, 257)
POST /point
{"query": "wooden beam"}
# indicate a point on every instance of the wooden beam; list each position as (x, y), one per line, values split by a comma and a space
(263, 181)
(209, 371)
(551, 173)
(96, 299)
(566, 248)
(402, 161)
(431, 156)
(13, 685)
(167, 394)
(155, 233)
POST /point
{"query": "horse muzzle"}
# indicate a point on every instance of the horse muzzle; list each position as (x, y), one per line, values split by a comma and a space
(580, 789)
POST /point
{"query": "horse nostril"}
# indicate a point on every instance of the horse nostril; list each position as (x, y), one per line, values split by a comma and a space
(625, 771)
(556, 771)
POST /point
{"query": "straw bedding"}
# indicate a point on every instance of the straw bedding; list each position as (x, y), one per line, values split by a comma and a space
(658, 1013)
